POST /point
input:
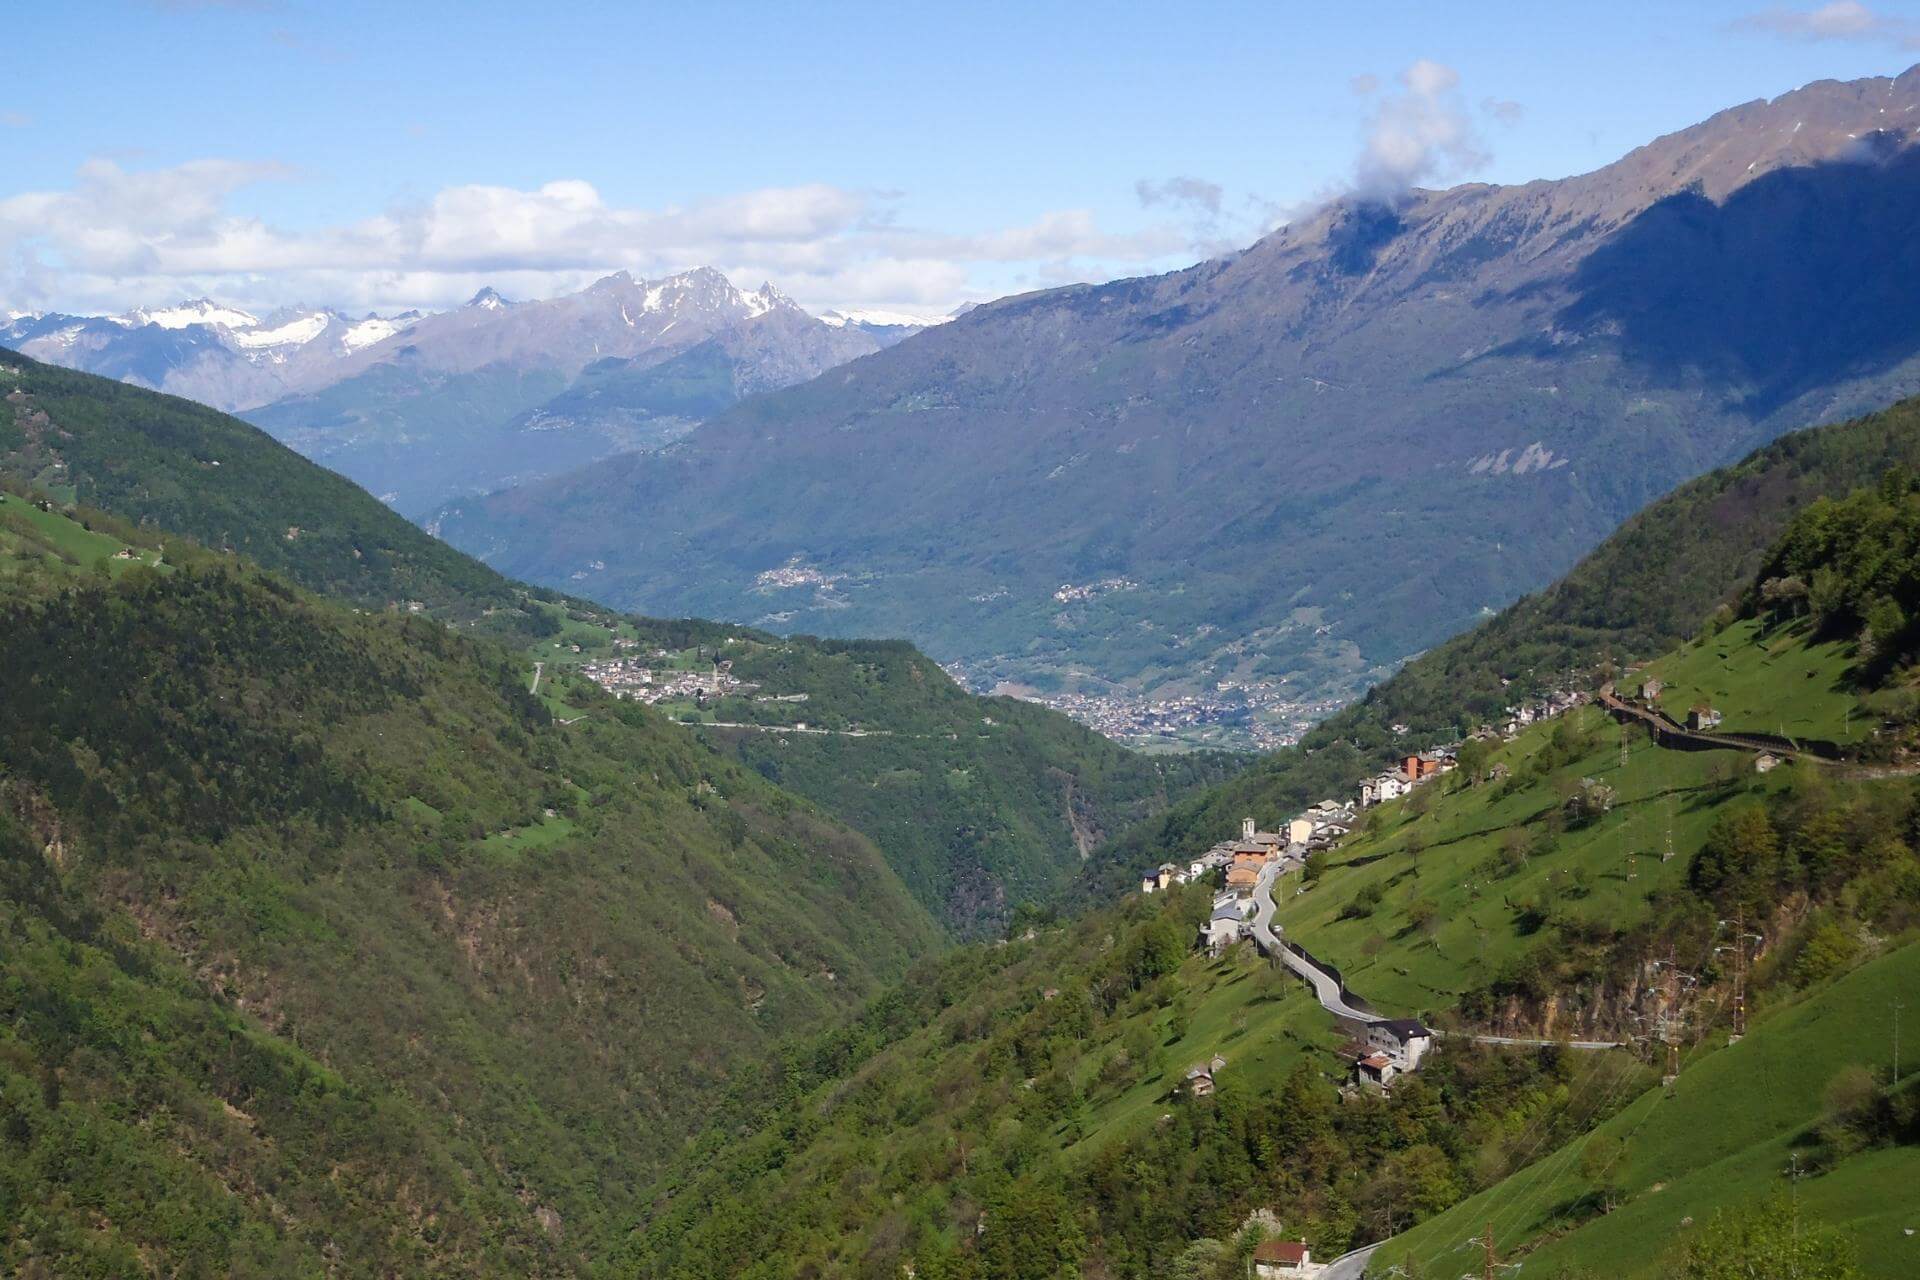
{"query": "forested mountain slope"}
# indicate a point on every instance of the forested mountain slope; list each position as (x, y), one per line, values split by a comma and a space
(330, 952)
(1047, 789)
(1301, 462)
(982, 805)
(184, 468)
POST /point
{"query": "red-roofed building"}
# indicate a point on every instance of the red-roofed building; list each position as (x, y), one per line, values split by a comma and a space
(1284, 1260)
(1375, 1068)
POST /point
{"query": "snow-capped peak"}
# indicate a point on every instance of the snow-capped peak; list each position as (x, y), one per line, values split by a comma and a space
(488, 299)
(766, 299)
(193, 311)
(878, 318)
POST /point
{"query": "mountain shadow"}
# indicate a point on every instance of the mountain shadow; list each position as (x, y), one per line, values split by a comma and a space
(1798, 280)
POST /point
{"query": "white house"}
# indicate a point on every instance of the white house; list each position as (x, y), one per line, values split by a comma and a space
(1404, 1040)
(1223, 928)
(1382, 788)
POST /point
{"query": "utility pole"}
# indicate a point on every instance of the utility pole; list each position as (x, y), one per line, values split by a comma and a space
(1670, 1026)
(1740, 976)
(1740, 939)
(1487, 1269)
(1668, 855)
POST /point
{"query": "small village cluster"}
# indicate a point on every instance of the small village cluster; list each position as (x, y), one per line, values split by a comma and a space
(638, 679)
(1323, 824)
(1240, 861)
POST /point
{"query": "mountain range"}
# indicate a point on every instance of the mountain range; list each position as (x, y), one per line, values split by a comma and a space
(1273, 476)
(424, 407)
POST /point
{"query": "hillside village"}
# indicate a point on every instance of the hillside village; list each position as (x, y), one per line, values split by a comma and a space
(1244, 870)
(652, 680)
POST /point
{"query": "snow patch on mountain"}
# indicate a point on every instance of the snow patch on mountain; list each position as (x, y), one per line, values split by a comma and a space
(296, 332)
(193, 311)
(369, 331)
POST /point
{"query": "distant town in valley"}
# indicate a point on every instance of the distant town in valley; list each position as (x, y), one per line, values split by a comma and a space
(1233, 715)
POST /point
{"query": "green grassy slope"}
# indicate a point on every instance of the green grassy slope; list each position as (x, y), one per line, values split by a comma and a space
(1638, 594)
(41, 545)
(1495, 863)
(1020, 1111)
(1737, 1115)
(1763, 677)
(330, 953)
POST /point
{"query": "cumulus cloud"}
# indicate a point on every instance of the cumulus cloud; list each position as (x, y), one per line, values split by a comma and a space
(117, 237)
(1419, 133)
(1846, 20)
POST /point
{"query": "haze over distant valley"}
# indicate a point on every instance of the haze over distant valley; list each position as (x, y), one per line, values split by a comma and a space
(1216, 503)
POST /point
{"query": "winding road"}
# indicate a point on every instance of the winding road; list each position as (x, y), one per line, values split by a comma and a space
(1326, 987)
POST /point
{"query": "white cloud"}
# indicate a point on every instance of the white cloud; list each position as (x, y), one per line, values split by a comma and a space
(120, 237)
(1421, 133)
(1194, 192)
(1846, 20)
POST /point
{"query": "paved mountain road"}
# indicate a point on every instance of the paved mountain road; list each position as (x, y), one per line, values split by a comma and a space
(1326, 988)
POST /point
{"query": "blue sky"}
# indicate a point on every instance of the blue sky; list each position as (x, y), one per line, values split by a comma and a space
(897, 155)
